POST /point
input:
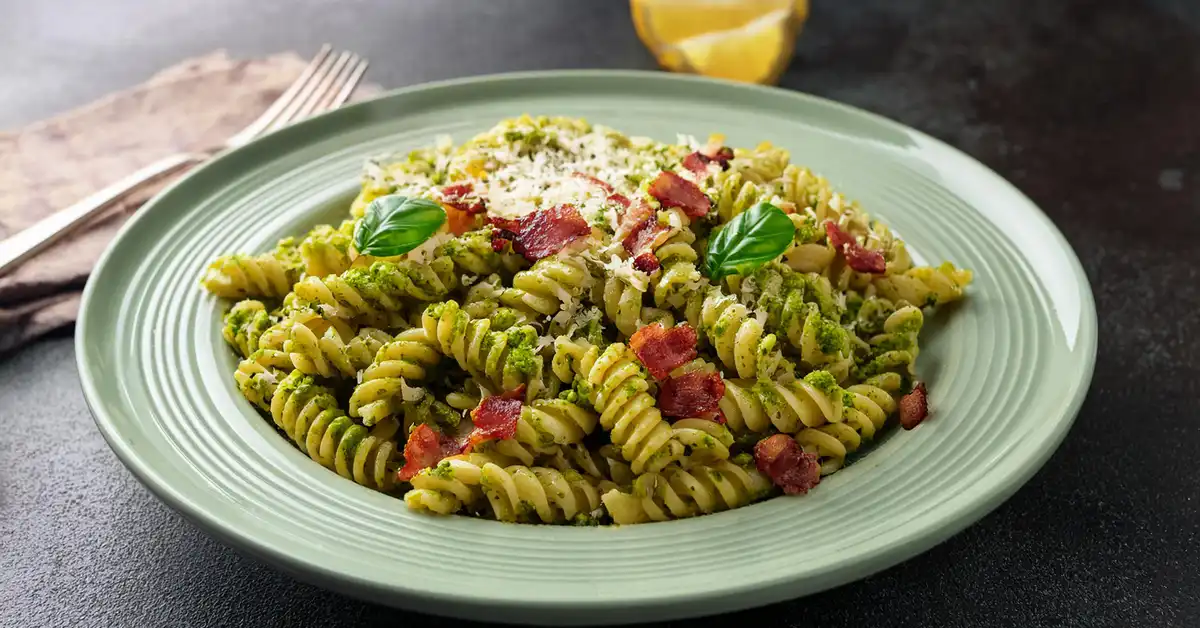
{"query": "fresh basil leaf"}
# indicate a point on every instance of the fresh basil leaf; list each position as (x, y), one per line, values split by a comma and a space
(753, 238)
(395, 224)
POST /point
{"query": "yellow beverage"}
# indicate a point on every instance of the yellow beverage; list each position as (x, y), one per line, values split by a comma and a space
(741, 40)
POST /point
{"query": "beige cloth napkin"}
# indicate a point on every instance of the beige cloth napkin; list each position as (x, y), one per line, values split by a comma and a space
(51, 164)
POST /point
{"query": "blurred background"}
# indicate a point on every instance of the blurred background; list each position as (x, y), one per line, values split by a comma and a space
(1091, 107)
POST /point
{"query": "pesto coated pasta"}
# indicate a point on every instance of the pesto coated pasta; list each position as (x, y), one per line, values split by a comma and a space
(556, 323)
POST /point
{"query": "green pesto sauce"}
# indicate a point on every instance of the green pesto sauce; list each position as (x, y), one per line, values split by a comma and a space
(358, 279)
(910, 326)
(443, 471)
(807, 231)
(743, 459)
(584, 519)
(443, 414)
(765, 391)
(830, 337)
(504, 318)
(823, 381)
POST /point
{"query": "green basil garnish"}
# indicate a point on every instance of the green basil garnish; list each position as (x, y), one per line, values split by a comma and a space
(395, 224)
(753, 238)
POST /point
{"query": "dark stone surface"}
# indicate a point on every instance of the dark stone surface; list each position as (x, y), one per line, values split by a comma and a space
(1091, 108)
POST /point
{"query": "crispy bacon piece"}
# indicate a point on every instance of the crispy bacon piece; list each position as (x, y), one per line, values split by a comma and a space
(632, 218)
(600, 183)
(692, 394)
(462, 196)
(663, 350)
(544, 232)
(698, 161)
(862, 259)
(647, 263)
(425, 448)
(496, 417)
(780, 458)
(620, 199)
(673, 190)
(499, 242)
(914, 407)
(643, 236)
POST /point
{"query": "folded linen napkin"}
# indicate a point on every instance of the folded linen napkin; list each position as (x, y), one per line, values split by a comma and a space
(50, 164)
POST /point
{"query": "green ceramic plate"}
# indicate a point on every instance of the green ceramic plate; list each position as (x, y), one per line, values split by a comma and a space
(1007, 370)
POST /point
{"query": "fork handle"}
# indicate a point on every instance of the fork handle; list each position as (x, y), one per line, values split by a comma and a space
(48, 230)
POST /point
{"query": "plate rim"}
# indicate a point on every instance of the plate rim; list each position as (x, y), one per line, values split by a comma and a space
(963, 508)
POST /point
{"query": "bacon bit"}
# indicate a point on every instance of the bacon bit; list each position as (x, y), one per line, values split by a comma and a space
(643, 236)
(862, 259)
(914, 407)
(499, 244)
(663, 350)
(600, 183)
(647, 263)
(425, 448)
(496, 417)
(544, 232)
(789, 467)
(698, 161)
(723, 156)
(673, 190)
(620, 199)
(462, 197)
(632, 219)
(691, 394)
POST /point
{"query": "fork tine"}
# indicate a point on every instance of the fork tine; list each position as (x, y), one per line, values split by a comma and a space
(289, 114)
(285, 99)
(343, 85)
(351, 83)
(327, 85)
(311, 92)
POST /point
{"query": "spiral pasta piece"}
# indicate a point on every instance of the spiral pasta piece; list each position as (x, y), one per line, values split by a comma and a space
(245, 324)
(758, 406)
(604, 463)
(925, 286)
(329, 355)
(241, 276)
(895, 349)
(544, 288)
(257, 382)
(739, 339)
(615, 385)
(677, 493)
(541, 494)
(735, 193)
(326, 249)
(453, 485)
(309, 415)
(505, 359)
(472, 252)
(704, 441)
(868, 407)
(381, 385)
(545, 425)
(377, 294)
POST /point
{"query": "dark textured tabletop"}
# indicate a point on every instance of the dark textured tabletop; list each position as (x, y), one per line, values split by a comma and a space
(1091, 108)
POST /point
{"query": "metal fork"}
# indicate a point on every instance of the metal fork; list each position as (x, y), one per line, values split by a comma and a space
(326, 83)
